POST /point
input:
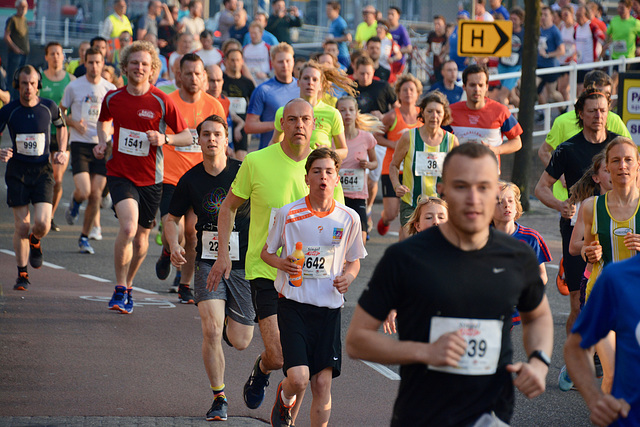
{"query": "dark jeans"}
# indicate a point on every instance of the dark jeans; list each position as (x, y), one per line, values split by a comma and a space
(14, 62)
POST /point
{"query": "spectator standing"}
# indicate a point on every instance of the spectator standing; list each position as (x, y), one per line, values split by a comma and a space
(226, 19)
(16, 35)
(282, 19)
(149, 22)
(448, 85)
(367, 28)
(117, 22)
(240, 27)
(436, 41)
(194, 24)
(338, 31)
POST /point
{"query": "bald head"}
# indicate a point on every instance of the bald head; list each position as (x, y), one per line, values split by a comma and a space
(215, 80)
(297, 123)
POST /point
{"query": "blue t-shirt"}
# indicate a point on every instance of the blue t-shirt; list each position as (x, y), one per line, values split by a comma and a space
(452, 95)
(532, 238)
(338, 28)
(401, 36)
(516, 50)
(613, 306)
(550, 39)
(30, 128)
(267, 98)
(267, 37)
(501, 11)
(453, 50)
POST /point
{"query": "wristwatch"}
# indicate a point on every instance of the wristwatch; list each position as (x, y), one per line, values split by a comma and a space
(541, 355)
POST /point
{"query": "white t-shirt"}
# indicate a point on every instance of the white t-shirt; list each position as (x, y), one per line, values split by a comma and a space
(84, 99)
(569, 44)
(210, 57)
(256, 56)
(327, 242)
(194, 26)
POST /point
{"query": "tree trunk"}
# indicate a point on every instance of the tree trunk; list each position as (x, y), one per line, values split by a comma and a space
(528, 95)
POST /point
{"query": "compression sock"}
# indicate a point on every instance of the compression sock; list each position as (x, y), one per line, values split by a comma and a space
(218, 391)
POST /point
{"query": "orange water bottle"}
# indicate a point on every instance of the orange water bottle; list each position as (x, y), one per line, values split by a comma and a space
(298, 254)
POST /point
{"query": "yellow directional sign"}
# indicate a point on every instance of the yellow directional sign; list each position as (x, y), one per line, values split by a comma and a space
(477, 38)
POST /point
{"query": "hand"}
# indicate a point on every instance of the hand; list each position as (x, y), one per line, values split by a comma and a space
(495, 150)
(389, 325)
(99, 150)
(567, 210)
(376, 114)
(447, 350)
(341, 283)
(606, 409)
(162, 43)
(364, 163)
(289, 266)
(177, 255)
(294, 11)
(401, 190)
(237, 135)
(81, 127)
(6, 154)
(593, 252)
(221, 267)
(632, 241)
(60, 157)
(155, 138)
(530, 377)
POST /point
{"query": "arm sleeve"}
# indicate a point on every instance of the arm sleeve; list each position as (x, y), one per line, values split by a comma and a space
(404, 38)
(381, 293)
(337, 126)
(555, 168)
(241, 185)
(67, 97)
(510, 127)
(355, 247)
(105, 114)
(256, 102)
(173, 117)
(274, 239)
(180, 204)
(533, 292)
(276, 120)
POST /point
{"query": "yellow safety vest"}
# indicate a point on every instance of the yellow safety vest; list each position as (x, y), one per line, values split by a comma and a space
(119, 25)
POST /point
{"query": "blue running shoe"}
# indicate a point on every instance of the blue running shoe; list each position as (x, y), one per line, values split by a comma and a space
(85, 246)
(118, 299)
(218, 411)
(564, 382)
(128, 305)
(255, 387)
(72, 212)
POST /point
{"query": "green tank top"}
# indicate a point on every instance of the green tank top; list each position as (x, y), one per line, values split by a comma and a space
(54, 91)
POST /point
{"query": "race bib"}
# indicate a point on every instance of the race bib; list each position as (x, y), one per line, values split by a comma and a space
(429, 164)
(317, 261)
(210, 245)
(510, 61)
(484, 341)
(133, 143)
(352, 180)
(194, 147)
(90, 111)
(237, 105)
(619, 46)
(30, 144)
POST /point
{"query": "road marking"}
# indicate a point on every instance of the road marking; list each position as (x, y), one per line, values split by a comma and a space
(158, 302)
(45, 263)
(383, 370)
(96, 278)
(144, 291)
(552, 266)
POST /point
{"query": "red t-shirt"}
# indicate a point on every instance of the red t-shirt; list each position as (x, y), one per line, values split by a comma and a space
(133, 157)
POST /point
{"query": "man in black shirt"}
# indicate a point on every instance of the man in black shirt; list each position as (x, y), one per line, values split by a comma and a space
(238, 89)
(375, 97)
(282, 19)
(572, 158)
(373, 48)
(454, 288)
(203, 188)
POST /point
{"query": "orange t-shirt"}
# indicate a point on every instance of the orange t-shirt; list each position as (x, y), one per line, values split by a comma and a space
(398, 128)
(178, 160)
(225, 104)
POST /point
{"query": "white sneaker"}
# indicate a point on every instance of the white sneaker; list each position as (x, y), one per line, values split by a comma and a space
(106, 201)
(95, 233)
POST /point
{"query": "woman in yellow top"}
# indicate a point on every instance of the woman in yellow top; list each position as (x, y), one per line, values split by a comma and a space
(611, 227)
(422, 151)
(316, 80)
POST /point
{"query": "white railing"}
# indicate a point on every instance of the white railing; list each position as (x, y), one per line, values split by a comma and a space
(67, 32)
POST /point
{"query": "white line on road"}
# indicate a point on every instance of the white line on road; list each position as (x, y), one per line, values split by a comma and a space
(383, 370)
(45, 263)
(144, 291)
(96, 278)
(552, 266)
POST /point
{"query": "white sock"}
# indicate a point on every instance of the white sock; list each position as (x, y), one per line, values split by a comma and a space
(287, 402)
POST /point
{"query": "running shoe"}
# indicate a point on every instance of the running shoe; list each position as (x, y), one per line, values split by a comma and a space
(85, 246)
(95, 233)
(106, 201)
(185, 296)
(35, 252)
(163, 266)
(382, 228)
(281, 414)
(564, 382)
(176, 283)
(72, 212)
(54, 227)
(225, 337)
(22, 283)
(255, 387)
(218, 411)
(561, 282)
(159, 235)
(128, 305)
(118, 299)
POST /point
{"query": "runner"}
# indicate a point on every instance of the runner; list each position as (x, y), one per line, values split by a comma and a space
(195, 105)
(238, 89)
(422, 151)
(358, 129)
(316, 80)
(84, 97)
(29, 175)
(54, 79)
(309, 315)
(451, 343)
(397, 122)
(140, 114)
(225, 312)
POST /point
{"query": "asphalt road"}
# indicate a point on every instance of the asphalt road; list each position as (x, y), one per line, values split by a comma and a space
(65, 359)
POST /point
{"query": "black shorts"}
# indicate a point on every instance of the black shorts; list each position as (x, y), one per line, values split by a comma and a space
(28, 183)
(310, 336)
(264, 297)
(53, 144)
(547, 78)
(148, 198)
(581, 74)
(573, 265)
(360, 206)
(83, 160)
(165, 202)
(387, 186)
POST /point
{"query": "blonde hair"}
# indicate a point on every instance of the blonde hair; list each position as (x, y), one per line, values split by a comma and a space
(281, 48)
(331, 78)
(504, 186)
(364, 122)
(414, 219)
(405, 78)
(620, 140)
(139, 46)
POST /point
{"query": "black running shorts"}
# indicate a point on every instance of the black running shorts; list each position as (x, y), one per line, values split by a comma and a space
(28, 183)
(148, 198)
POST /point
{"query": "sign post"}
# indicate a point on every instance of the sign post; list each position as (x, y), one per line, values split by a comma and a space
(629, 103)
(477, 38)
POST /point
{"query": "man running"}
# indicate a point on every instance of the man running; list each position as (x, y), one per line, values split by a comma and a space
(84, 96)
(226, 311)
(454, 303)
(140, 114)
(29, 175)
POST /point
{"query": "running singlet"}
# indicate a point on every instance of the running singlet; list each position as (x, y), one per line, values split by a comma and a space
(178, 160)
(54, 90)
(396, 130)
(29, 128)
(268, 191)
(133, 157)
(328, 240)
(610, 234)
(426, 166)
(84, 100)
(328, 124)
